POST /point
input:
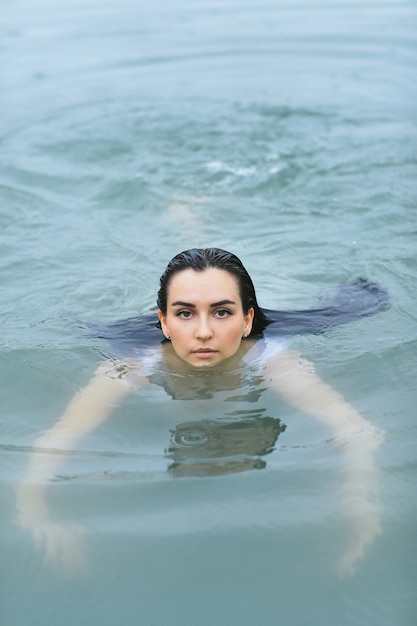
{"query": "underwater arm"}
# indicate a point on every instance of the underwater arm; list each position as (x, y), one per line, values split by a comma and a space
(296, 381)
(87, 410)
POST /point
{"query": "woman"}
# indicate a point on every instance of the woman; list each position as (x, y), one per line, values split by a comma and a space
(214, 332)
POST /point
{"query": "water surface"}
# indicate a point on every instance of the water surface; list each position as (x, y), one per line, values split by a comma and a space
(286, 133)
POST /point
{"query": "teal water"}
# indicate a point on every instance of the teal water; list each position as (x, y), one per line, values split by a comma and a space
(283, 132)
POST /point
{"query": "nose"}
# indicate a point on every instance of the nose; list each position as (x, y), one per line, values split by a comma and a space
(203, 331)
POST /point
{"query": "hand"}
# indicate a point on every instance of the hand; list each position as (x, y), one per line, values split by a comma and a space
(364, 530)
(61, 545)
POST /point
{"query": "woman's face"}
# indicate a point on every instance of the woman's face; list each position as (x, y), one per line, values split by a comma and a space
(204, 317)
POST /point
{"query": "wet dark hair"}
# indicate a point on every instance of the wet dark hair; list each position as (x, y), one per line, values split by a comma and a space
(200, 259)
(352, 301)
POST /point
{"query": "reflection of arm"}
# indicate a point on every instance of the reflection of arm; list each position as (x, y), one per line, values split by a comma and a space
(296, 381)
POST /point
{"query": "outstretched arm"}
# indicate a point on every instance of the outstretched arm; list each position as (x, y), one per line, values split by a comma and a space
(87, 410)
(296, 381)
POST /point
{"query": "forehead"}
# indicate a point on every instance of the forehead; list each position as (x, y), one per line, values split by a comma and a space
(211, 285)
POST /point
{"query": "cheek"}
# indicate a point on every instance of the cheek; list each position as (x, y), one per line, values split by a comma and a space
(233, 334)
(179, 330)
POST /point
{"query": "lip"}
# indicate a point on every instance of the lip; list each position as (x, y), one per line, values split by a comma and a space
(204, 353)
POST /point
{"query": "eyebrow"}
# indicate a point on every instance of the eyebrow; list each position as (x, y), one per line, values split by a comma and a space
(193, 306)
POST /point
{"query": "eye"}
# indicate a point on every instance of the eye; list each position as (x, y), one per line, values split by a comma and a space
(223, 313)
(185, 315)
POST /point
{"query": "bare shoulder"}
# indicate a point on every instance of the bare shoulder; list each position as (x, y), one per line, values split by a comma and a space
(288, 362)
(127, 373)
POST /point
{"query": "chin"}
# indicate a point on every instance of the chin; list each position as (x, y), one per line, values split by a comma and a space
(204, 363)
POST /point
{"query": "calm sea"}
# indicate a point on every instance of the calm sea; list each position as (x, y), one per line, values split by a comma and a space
(285, 132)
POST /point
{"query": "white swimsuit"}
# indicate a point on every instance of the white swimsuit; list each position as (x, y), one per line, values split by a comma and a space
(152, 366)
(262, 350)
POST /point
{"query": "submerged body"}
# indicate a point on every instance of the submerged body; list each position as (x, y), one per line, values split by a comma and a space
(214, 336)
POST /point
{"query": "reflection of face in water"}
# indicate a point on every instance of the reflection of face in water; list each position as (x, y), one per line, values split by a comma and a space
(235, 442)
(211, 447)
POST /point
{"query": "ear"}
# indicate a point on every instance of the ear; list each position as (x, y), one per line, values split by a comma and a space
(249, 321)
(163, 323)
